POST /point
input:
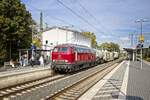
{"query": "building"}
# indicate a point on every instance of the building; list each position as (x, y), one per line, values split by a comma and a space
(60, 35)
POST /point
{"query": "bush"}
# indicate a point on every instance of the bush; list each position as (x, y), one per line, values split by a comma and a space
(148, 59)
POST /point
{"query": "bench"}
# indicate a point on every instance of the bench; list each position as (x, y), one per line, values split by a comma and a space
(7, 65)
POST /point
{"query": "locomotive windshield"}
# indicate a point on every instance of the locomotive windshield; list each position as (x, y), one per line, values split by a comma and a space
(64, 49)
(60, 49)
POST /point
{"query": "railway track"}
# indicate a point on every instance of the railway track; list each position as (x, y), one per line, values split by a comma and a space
(74, 91)
(59, 86)
(16, 90)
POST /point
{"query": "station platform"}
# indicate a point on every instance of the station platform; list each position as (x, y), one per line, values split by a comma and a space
(21, 75)
(128, 81)
(23, 69)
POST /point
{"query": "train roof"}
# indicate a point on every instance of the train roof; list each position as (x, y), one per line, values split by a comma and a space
(71, 45)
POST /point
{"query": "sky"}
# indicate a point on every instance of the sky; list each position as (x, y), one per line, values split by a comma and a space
(110, 20)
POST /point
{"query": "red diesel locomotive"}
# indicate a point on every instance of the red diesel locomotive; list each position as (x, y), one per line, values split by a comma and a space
(71, 57)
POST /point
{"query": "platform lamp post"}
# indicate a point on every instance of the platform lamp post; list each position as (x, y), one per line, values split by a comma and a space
(141, 37)
(32, 45)
(32, 30)
(32, 39)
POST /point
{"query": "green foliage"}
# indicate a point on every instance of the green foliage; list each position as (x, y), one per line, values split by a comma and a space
(37, 42)
(92, 37)
(109, 46)
(14, 27)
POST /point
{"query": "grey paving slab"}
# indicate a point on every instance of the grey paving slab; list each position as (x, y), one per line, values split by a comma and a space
(138, 82)
(111, 88)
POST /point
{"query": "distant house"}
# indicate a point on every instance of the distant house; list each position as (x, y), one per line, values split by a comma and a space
(59, 35)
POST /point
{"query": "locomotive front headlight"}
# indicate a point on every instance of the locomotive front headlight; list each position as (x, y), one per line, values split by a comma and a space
(66, 61)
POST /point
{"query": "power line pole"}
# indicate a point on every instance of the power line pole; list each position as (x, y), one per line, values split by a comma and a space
(131, 38)
(41, 27)
(141, 37)
(41, 21)
(46, 24)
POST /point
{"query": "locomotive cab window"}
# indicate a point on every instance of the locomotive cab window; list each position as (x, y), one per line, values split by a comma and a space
(56, 49)
(64, 49)
(60, 49)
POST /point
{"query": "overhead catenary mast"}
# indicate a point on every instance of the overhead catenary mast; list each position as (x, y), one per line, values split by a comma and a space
(41, 21)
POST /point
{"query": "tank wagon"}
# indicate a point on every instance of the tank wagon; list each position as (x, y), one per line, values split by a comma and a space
(99, 56)
(110, 56)
(116, 55)
(71, 57)
(106, 56)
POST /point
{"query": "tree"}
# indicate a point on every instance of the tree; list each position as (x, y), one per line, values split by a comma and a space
(36, 35)
(37, 42)
(15, 31)
(109, 46)
(92, 37)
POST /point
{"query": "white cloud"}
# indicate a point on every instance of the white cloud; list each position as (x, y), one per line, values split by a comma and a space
(124, 38)
(106, 36)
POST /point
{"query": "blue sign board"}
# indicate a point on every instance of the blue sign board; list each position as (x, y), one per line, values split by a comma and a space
(33, 47)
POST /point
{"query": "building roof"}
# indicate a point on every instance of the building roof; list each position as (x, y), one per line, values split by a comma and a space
(62, 28)
(132, 49)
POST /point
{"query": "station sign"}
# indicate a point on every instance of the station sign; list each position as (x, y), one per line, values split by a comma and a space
(33, 47)
(141, 38)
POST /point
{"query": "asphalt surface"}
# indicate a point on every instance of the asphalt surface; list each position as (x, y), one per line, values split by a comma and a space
(112, 87)
(127, 83)
(138, 82)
